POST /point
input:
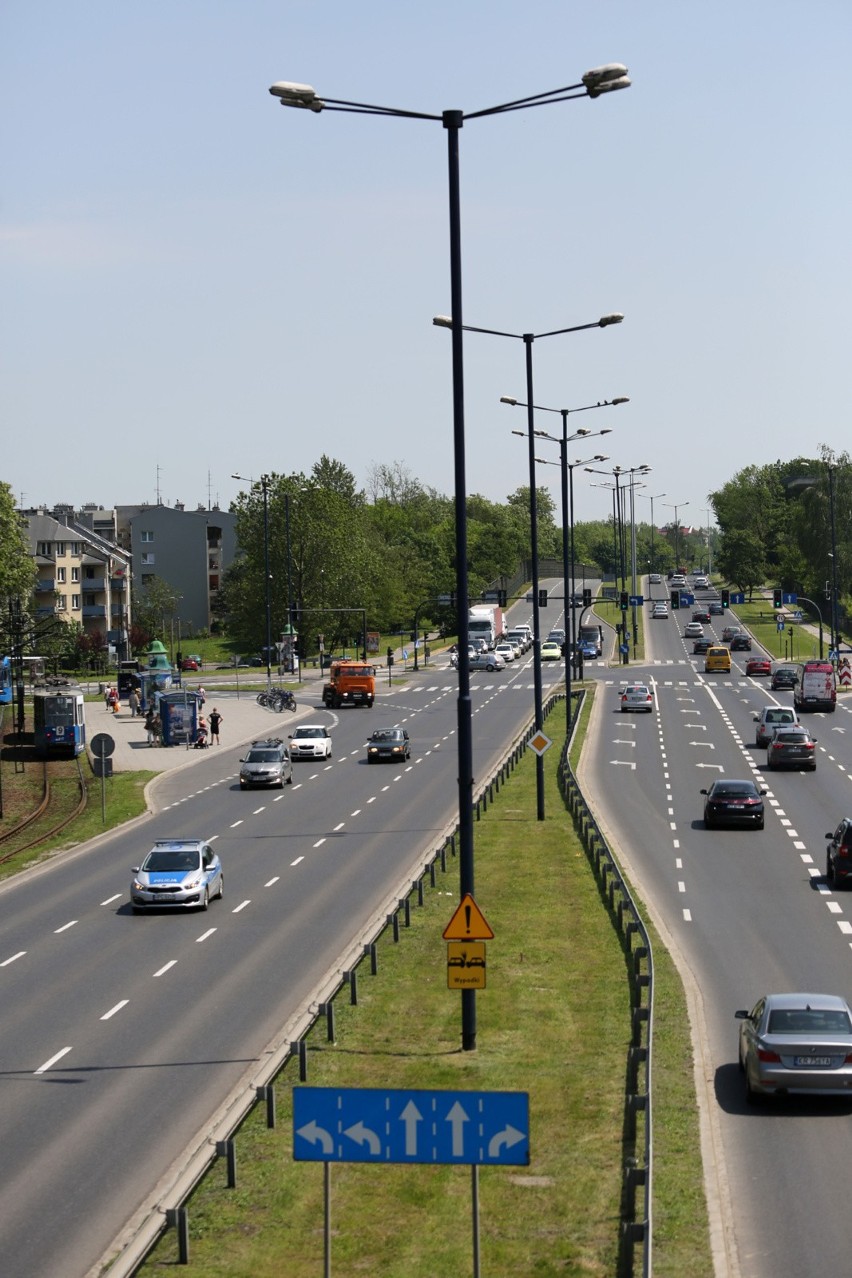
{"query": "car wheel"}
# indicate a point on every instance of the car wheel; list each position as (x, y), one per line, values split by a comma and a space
(290, 779)
(205, 900)
(759, 825)
(242, 787)
(753, 1097)
(221, 886)
(134, 909)
(708, 824)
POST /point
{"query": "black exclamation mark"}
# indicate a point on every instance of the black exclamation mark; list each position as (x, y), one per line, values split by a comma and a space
(467, 918)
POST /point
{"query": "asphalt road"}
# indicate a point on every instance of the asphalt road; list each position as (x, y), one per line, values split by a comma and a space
(123, 1034)
(749, 912)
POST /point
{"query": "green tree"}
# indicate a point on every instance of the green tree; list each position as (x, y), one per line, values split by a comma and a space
(741, 559)
(17, 566)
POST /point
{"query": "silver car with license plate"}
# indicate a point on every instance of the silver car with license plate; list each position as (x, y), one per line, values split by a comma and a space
(636, 696)
(183, 874)
(796, 1043)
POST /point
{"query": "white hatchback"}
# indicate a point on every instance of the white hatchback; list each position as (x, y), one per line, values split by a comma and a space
(310, 741)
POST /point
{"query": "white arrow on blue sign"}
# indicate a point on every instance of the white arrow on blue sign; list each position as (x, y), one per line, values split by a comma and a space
(374, 1125)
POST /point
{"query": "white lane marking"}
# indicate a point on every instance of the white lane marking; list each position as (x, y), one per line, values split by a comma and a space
(681, 886)
(319, 842)
(372, 800)
(47, 1064)
(212, 838)
(257, 811)
(6, 962)
(834, 907)
(112, 1011)
(204, 935)
(110, 899)
(678, 863)
(297, 860)
(242, 905)
(271, 881)
(806, 857)
(687, 916)
(357, 812)
(165, 967)
(845, 926)
(338, 827)
(234, 824)
(64, 928)
(278, 798)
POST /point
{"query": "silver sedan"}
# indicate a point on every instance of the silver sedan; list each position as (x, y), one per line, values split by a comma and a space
(796, 1043)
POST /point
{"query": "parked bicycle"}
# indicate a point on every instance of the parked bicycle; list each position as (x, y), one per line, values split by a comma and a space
(278, 699)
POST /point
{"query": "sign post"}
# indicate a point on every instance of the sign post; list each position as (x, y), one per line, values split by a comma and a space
(103, 746)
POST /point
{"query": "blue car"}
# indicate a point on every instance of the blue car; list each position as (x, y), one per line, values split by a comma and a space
(181, 874)
(589, 650)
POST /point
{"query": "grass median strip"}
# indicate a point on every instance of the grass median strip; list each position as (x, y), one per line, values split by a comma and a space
(554, 1021)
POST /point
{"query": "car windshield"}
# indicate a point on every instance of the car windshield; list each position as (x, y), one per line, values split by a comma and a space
(733, 789)
(779, 716)
(387, 734)
(309, 732)
(808, 1020)
(171, 859)
(791, 737)
(263, 756)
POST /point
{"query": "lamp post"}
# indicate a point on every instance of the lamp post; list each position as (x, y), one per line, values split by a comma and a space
(671, 505)
(832, 467)
(567, 469)
(446, 321)
(652, 498)
(568, 560)
(601, 80)
(264, 482)
(618, 473)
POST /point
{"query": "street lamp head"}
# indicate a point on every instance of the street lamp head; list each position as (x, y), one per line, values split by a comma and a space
(606, 320)
(582, 432)
(504, 399)
(296, 95)
(601, 457)
(620, 399)
(606, 79)
(443, 321)
(606, 431)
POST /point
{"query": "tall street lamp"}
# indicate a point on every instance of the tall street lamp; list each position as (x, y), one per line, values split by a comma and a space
(568, 559)
(652, 498)
(618, 473)
(601, 80)
(567, 468)
(264, 482)
(671, 505)
(446, 321)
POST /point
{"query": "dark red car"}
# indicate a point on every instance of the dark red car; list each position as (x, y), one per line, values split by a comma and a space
(758, 666)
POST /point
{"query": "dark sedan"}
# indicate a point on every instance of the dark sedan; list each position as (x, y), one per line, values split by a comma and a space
(740, 643)
(701, 645)
(388, 744)
(783, 677)
(733, 803)
(702, 615)
(838, 857)
(791, 747)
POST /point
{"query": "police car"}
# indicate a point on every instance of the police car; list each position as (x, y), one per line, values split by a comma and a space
(181, 874)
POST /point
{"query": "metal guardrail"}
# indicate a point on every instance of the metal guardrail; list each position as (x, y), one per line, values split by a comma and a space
(637, 1141)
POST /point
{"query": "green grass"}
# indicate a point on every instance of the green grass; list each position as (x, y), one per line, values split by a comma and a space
(759, 618)
(553, 1021)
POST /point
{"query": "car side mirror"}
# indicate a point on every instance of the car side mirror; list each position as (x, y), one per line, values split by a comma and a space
(702, 791)
(755, 718)
(134, 869)
(830, 835)
(741, 1015)
(763, 791)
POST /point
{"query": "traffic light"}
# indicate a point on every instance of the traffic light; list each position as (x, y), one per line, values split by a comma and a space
(675, 598)
(777, 597)
(726, 598)
(624, 600)
(501, 598)
(587, 596)
(542, 599)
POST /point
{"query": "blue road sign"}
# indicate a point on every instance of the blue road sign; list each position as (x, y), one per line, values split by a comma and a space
(374, 1125)
(686, 599)
(737, 597)
(789, 599)
(636, 599)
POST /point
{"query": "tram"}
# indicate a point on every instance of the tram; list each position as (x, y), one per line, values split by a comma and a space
(5, 681)
(58, 722)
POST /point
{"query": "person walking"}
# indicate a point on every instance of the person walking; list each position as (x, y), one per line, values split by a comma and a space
(149, 726)
(133, 703)
(215, 720)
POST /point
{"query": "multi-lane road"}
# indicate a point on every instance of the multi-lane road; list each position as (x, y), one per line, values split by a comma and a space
(749, 912)
(122, 1035)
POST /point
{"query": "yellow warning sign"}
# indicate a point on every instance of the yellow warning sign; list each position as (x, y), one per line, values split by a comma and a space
(468, 923)
(466, 965)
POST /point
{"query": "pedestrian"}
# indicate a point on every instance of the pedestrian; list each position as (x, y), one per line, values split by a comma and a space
(150, 720)
(158, 730)
(133, 703)
(112, 700)
(215, 720)
(202, 694)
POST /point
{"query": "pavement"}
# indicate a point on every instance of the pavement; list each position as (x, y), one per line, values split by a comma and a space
(243, 720)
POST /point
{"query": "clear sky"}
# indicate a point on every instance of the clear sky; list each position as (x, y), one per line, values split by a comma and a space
(196, 281)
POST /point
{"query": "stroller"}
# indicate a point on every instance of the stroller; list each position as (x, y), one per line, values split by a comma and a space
(200, 742)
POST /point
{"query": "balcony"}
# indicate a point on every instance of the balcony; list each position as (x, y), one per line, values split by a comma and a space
(94, 610)
(94, 585)
(45, 611)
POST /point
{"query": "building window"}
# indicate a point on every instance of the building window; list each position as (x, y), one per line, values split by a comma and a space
(75, 574)
(147, 559)
(89, 600)
(62, 602)
(44, 548)
(77, 548)
(146, 536)
(60, 549)
(90, 574)
(60, 575)
(75, 603)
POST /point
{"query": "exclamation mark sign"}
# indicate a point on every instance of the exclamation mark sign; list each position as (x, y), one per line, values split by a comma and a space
(467, 919)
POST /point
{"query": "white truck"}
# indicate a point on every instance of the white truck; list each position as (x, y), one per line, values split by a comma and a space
(485, 621)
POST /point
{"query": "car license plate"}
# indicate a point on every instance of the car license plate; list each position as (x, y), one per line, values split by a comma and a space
(821, 1062)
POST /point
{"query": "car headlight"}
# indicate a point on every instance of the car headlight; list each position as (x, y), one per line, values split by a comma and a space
(140, 887)
(190, 884)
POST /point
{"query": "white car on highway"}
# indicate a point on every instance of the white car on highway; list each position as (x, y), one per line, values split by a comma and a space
(310, 741)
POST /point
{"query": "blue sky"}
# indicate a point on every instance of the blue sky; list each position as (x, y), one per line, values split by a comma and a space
(196, 281)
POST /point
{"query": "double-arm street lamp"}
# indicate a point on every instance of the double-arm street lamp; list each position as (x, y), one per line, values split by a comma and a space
(568, 558)
(652, 497)
(629, 475)
(671, 505)
(601, 80)
(264, 482)
(446, 321)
